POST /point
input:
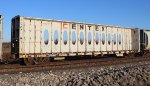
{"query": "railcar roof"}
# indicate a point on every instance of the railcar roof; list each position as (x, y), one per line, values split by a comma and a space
(43, 19)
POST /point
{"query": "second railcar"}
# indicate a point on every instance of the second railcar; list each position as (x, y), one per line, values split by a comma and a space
(34, 37)
(144, 39)
(1, 28)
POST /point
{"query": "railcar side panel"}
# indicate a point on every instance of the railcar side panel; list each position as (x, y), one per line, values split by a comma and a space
(108, 39)
(129, 39)
(114, 38)
(124, 39)
(65, 37)
(56, 33)
(37, 39)
(81, 38)
(89, 38)
(136, 41)
(44, 36)
(32, 36)
(97, 38)
(25, 34)
(132, 39)
(73, 38)
(103, 38)
(120, 36)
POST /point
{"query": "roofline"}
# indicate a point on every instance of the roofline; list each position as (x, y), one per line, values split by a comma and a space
(73, 22)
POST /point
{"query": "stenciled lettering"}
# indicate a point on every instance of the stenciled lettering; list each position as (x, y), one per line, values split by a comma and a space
(74, 26)
(81, 27)
(89, 27)
(96, 28)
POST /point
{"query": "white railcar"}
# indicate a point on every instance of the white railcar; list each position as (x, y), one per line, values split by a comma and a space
(146, 39)
(1, 29)
(33, 37)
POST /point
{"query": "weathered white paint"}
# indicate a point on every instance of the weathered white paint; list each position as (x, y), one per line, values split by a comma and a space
(89, 34)
(97, 31)
(73, 37)
(31, 37)
(148, 40)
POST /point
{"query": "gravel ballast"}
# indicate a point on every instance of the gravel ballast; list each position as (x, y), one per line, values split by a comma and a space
(117, 75)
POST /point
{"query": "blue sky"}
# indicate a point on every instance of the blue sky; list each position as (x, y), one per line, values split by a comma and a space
(128, 13)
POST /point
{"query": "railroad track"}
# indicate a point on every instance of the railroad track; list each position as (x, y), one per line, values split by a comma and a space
(62, 65)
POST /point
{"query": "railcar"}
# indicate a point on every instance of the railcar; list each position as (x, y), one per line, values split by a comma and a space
(1, 26)
(35, 38)
(145, 40)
